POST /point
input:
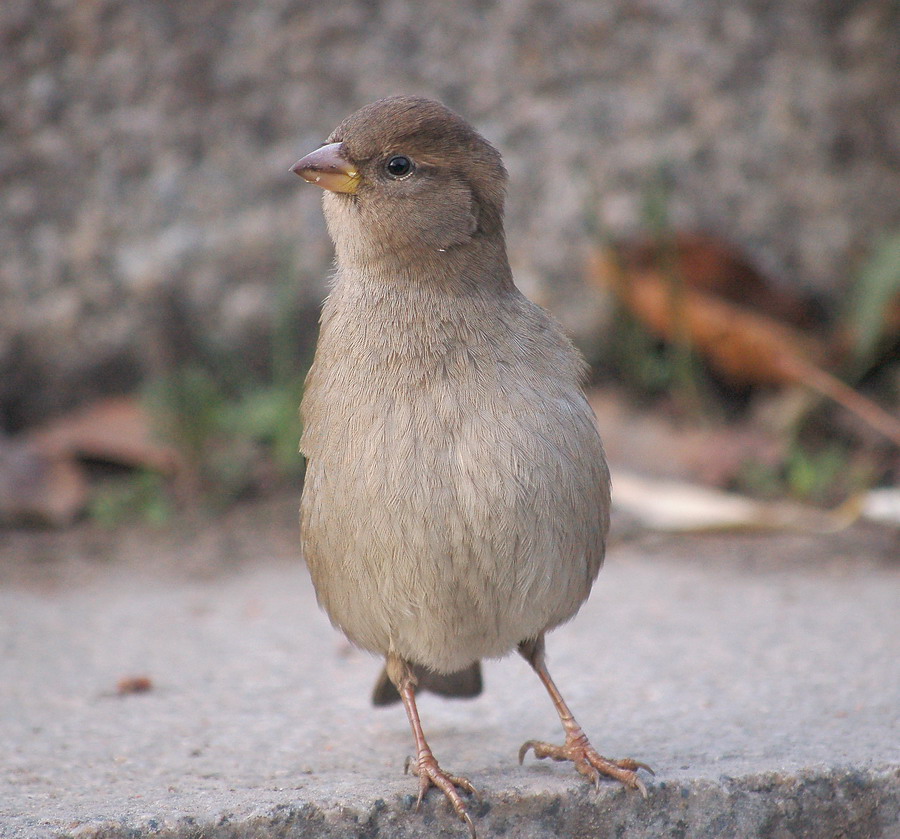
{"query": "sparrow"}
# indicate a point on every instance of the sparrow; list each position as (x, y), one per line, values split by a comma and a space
(456, 499)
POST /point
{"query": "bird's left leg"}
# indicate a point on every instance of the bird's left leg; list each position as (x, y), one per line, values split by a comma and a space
(577, 747)
(425, 766)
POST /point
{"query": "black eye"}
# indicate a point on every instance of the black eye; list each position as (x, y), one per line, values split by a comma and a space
(398, 166)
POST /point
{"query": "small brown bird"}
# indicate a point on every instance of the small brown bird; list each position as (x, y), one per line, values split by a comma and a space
(456, 501)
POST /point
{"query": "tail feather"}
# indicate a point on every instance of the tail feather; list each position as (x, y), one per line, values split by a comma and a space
(460, 685)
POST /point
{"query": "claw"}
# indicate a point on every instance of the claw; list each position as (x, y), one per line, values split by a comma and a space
(423, 788)
(523, 749)
(640, 787)
(468, 820)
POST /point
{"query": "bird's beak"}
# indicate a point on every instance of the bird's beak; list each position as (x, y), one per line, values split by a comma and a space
(326, 168)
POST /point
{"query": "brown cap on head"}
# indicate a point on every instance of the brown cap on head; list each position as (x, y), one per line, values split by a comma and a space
(434, 132)
(352, 160)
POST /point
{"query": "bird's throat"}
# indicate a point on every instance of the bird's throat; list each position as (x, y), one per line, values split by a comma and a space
(478, 267)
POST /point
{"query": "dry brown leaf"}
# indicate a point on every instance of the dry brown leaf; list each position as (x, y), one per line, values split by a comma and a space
(116, 430)
(37, 488)
(708, 263)
(745, 347)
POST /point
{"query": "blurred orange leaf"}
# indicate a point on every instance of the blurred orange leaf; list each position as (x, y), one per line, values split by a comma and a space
(710, 264)
(115, 430)
(746, 347)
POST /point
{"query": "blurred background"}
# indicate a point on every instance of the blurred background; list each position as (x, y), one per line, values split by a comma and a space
(706, 194)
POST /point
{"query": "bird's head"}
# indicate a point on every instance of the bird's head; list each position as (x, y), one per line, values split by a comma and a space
(406, 177)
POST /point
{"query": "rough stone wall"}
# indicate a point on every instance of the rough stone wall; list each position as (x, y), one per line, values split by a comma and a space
(145, 146)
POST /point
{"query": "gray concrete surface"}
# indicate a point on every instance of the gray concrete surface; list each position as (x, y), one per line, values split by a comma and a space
(763, 688)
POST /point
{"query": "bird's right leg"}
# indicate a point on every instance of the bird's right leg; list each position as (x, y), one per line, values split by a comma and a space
(577, 747)
(425, 766)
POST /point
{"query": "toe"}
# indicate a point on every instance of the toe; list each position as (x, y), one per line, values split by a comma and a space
(633, 765)
(624, 771)
(466, 784)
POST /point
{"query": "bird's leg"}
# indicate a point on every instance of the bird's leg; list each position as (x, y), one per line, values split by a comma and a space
(425, 766)
(577, 747)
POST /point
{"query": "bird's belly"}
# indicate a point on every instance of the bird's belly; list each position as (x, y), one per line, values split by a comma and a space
(443, 536)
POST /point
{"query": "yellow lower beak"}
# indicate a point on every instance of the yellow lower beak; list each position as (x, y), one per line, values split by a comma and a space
(326, 168)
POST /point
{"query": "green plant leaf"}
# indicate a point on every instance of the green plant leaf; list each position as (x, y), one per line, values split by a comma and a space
(876, 286)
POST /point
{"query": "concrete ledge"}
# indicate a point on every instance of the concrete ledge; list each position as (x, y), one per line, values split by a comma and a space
(836, 803)
(759, 676)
